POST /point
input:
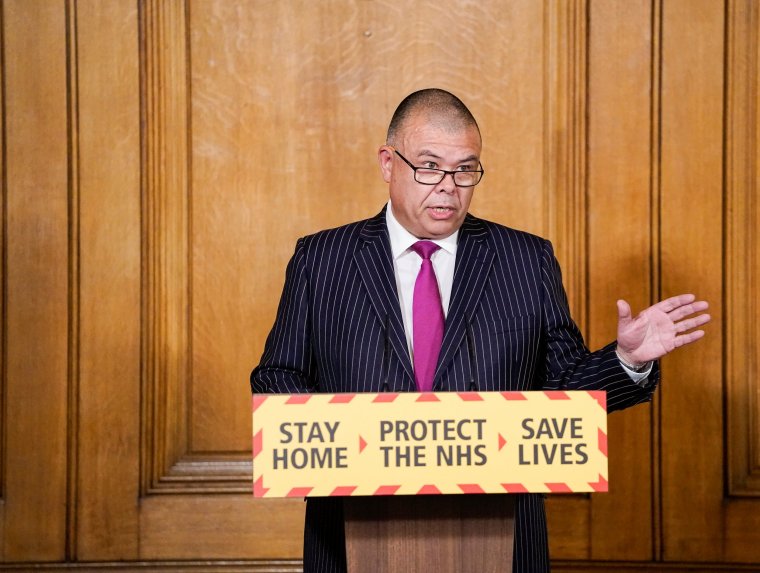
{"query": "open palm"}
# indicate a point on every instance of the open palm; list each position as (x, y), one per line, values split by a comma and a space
(659, 329)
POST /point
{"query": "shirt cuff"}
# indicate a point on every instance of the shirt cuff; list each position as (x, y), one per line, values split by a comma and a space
(638, 377)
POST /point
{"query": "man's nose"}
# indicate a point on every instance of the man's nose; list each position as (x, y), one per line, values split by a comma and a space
(447, 184)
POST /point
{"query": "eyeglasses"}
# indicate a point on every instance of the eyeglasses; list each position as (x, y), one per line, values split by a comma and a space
(428, 176)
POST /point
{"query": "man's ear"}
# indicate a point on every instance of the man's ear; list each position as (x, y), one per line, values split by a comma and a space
(385, 158)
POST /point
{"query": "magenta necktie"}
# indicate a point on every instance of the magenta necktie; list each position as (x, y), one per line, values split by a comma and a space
(427, 318)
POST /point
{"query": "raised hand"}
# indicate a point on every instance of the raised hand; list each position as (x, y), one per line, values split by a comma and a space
(659, 329)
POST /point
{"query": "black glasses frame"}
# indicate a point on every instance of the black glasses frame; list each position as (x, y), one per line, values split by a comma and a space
(443, 172)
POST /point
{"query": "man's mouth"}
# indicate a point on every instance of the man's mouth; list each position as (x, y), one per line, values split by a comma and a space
(441, 212)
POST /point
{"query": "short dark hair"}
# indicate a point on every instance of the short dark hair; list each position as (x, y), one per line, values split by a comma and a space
(434, 101)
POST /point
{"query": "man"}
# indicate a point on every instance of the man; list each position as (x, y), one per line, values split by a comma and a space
(356, 312)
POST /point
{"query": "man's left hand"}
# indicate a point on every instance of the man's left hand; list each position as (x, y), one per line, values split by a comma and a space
(659, 329)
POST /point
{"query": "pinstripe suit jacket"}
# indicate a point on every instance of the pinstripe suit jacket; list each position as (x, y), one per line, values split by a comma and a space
(339, 329)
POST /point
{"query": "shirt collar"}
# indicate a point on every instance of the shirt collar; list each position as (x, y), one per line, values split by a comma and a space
(401, 239)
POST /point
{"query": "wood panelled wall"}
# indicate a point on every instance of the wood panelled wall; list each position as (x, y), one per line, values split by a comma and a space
(161, 157)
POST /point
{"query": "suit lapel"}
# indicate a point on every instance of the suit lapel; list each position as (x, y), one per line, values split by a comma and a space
(473, 264)
(375, 263)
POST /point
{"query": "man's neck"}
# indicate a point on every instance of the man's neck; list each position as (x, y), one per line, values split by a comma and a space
(402, 239)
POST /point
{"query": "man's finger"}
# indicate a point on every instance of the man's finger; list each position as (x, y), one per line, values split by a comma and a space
(675, 301)
(690, 323)
(624, 310)
(687, 309)
(687, 338)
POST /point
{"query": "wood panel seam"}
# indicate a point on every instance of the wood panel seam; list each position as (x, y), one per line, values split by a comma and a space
(655, 260)
(72, 462)
(4, 269)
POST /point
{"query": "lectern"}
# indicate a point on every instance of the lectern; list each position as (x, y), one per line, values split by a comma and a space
(439, 533)
(428, 480)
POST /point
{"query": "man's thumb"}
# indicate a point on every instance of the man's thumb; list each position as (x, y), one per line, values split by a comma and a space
(624, 310)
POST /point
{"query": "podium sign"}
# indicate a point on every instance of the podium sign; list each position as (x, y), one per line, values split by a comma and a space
(429, 443)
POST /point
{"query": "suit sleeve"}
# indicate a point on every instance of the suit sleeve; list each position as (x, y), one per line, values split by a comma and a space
(286, 365)
(570, 365)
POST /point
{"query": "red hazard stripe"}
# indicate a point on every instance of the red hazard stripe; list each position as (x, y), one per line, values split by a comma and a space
(387, 490)
(470, 488)
(602, 442)
(513, 395)
(428, 489)
(342, 398)
(600, 485)
(470, 396)
(299, 492)
(258, 487)
(343, 490)
(428, 397)
(514, 488)
(298, 399)
(559, 488)
(385, 397)
(258, 400)
(257, 442)
(557, 395)
(600, 396)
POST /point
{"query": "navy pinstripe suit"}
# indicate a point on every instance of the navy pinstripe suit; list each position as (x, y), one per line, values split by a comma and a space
(339, 329)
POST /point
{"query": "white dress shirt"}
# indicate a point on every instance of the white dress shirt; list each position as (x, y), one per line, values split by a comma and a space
(406, 266)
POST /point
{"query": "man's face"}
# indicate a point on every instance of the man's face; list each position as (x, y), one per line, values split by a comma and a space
(430, 211)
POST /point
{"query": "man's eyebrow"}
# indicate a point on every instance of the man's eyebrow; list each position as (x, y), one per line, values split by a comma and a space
(428, 153)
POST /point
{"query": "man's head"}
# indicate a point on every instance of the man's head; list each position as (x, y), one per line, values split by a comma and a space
(431, 129)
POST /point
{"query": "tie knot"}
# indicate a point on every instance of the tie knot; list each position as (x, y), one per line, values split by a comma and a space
(425, 249)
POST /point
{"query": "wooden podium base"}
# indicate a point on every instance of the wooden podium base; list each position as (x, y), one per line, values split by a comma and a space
(438, 533)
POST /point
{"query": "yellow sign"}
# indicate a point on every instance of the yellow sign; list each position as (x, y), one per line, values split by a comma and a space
(429, 443)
